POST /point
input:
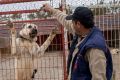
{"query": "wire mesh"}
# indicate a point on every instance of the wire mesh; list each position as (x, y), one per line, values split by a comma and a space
(52, 66)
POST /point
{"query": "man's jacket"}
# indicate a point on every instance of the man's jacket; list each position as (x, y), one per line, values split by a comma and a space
(80, 67)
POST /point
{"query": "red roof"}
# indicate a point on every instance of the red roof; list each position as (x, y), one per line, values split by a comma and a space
(17, 1)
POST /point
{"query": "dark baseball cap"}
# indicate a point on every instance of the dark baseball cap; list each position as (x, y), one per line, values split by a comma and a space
(81, 13)
(84, 15)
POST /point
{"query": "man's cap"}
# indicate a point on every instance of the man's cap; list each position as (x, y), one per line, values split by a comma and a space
(81, 13)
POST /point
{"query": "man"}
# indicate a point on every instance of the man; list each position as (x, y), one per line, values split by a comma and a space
(89, 57)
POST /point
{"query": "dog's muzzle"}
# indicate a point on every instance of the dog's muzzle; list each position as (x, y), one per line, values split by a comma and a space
(33, 33)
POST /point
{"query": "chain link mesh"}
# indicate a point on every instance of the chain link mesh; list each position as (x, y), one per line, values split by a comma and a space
(52, 65)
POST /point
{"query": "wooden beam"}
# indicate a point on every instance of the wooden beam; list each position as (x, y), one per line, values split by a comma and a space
(19, 12)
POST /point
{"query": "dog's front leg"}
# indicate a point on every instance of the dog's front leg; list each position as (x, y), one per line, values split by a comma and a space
(46, 44)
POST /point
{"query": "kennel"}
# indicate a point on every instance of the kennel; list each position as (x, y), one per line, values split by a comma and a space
(53, 65)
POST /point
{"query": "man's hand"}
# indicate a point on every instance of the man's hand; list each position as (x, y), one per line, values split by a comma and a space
(47, 8)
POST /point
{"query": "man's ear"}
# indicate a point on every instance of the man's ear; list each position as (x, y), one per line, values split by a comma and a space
(78, 22)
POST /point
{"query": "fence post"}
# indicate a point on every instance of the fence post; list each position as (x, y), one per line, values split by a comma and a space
(13, 42)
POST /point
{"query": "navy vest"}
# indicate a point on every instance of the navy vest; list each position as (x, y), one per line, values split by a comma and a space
(80, 67)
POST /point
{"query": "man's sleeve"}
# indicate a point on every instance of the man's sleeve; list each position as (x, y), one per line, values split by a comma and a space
(61, 17)
(97, 64)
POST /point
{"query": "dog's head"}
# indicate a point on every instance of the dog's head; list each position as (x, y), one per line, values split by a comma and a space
(29, 31)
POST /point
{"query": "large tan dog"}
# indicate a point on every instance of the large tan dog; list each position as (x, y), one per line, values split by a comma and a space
(27, 50)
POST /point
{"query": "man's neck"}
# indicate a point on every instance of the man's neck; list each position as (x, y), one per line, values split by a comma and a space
(85, 32)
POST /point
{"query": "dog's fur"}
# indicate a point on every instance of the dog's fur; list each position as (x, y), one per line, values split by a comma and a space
(27, 50)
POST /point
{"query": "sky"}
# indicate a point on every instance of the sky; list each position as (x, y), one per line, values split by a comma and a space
(38, 4)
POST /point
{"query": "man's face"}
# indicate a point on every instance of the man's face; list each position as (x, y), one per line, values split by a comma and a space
(77, 27)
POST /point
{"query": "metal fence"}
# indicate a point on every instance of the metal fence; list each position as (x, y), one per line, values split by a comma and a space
(52, 66)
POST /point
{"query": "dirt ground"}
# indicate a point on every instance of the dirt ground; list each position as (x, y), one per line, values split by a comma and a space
(50, 67)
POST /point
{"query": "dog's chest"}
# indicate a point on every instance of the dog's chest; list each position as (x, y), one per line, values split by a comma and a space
(26, 47)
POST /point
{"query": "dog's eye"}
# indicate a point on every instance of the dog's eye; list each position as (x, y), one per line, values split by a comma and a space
(35, 27)
(29, 26)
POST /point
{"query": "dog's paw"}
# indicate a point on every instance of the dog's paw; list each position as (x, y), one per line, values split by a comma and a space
(9, 24)
(54, 31)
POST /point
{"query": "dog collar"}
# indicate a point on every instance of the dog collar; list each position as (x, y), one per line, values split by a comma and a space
(25, 38)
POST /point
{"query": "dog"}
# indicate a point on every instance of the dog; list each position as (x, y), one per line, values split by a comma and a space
(27, 50)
